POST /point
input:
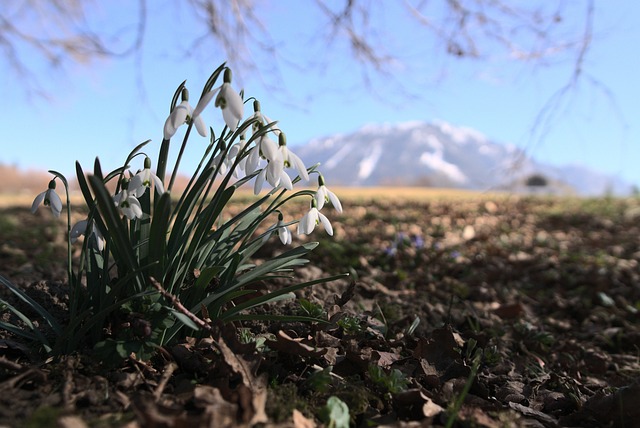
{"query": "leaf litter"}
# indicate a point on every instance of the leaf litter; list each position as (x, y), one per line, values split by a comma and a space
(488, 311)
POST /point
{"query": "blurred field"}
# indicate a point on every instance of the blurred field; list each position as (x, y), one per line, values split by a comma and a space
(350, 194)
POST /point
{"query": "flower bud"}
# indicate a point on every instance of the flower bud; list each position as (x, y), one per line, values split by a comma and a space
(185, 94)
(227, 75)
(282, 139)
(52, 184)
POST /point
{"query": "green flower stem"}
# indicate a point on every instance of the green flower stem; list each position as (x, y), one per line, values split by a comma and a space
(177, 165)
(72, 285)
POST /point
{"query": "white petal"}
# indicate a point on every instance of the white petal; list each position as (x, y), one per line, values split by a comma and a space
(302, 225)
(321, 197)
(299, 166)
(56, 203)
(78, 229)
(274, 171)
(204, 101)
(257, 186)
(136, 185)
(136, 207)
(175, 119)
(169, 130)
(158, 184)
(283, 233)
(201, 126)
(285, 180)
(252, 160)
(232, 107)
(180, 113)
(334, 201)
(326, 223)
(234, 102)
(309, 221)
(37, 201)
(269, 148)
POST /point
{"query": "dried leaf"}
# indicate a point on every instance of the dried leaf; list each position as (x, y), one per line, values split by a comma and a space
(288, 345)
(300, 421)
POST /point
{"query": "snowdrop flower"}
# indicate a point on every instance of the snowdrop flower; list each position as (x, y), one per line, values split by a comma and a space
(127, 204)
(231, 105)
(283, 231)
(314, 217)
(80, 228)
(50, 198)
(142, 181)
(181, 114)
(275, 175)
(262, 120)
(291, 160)
(227, 99)
(323, 194)
(265, 148)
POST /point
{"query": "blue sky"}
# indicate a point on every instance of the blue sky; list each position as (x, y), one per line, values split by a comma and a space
(103, 109)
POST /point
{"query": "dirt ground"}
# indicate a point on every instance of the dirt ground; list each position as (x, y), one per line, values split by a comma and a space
(491, 311)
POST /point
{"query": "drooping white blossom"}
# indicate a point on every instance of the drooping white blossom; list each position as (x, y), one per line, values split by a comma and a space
(311, 219)
(231, 105)
(291, 160)
(128, 204)
(323, 195)
(181, 114)
(143, 180)
(80, 228)
(50, 198)
(283, 231)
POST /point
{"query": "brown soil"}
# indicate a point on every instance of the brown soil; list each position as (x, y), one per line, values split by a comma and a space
(525, 311)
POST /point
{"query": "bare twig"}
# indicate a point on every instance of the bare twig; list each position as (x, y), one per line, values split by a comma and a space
(166, 375)
(10, 365)
(175, 302)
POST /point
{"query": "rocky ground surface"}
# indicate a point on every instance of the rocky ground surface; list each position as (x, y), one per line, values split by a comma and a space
(479, 312)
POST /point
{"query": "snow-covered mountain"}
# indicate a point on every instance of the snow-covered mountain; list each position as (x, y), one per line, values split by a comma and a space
(442, 155)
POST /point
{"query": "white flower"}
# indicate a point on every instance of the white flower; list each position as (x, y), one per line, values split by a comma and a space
(180, 115)
(283, 231)
(227, 99)
(231, 104)
(323, 194)
(265, 148)
(142, 181)
(262, 120)
(274, 175)
(50, 199)
(275, 172)
(291, 160)
(80, 228)
(314, 217)
(128, 205)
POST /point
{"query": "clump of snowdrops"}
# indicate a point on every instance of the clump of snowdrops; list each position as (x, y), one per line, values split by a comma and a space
(155, 266)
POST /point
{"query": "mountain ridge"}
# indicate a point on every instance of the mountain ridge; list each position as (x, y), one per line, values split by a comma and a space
(439, 154)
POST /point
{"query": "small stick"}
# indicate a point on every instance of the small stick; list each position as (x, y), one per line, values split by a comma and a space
(166, 375)
(180, 307)
(10, 365)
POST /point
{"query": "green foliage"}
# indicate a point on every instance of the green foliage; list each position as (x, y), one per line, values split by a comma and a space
(320, 380)
(336, 413)
(392, 382)
(310, 309)
(152, 267)
(350, 325)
